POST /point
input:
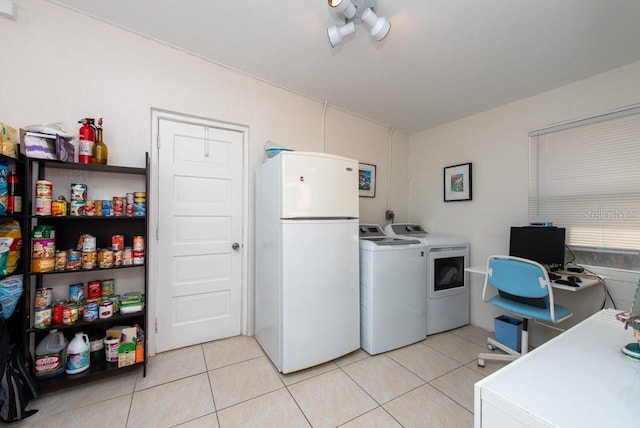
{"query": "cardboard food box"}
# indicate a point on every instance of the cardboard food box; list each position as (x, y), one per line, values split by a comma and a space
(131, 302)
(127, 347)
(140, 345)
(126, 354)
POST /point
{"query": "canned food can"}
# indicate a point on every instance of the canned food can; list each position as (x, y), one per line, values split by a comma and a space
(111, 345)
(98, 205)
(76, 292)
(138, 243)
(107, 287)
(88, 243)
(61, 260)
(106, 208)
(76, 208)
(74, 312)
(59, 207)
(105, 258)
(117, 206)
(43, 317)
(43, 297)
(117, 257)
(90, 208)
(43, 265)
(94, 289)
(106, 309)
(44, 189)
(67, 317)
(90, 312)
(78, 192)
(138, 257)
(117, 242)
(140, 197)
(89, 259)
(139, 209)
(73, 260)
(57, 312)
(43, 248)
(127, 256)
(43, 206)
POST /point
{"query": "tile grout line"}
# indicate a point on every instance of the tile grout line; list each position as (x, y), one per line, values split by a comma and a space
(213, 397)
(380, 405)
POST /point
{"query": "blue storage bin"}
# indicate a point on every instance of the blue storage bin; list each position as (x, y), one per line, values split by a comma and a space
(509, 331)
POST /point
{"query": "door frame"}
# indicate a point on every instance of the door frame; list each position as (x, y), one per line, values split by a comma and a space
(154, 213)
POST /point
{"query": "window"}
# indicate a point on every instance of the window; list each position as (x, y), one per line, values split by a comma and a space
(585, 176)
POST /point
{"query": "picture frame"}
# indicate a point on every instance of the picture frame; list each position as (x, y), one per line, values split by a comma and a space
(367, 180)
(458, 183)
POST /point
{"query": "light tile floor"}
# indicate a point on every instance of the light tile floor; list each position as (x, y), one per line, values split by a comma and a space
(232, 383)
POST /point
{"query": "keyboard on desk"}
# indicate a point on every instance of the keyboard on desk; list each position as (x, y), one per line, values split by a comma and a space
(567, 282)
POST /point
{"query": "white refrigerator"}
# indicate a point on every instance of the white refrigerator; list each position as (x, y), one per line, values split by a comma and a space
(307, 307)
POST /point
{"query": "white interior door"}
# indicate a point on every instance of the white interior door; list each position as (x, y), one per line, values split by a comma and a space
(199, 234)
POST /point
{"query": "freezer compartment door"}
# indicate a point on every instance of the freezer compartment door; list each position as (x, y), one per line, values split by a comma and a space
(321, 301)
(316, 185)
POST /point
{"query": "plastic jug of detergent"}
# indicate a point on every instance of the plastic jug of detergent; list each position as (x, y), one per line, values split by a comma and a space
(51, 355)
(78, 354)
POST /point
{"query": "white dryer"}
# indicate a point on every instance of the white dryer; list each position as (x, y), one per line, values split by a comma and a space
(393, 299)
(447, 281)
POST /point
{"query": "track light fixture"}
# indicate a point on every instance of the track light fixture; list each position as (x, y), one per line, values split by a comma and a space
(337, 33)
(344, 8)
(356, 12)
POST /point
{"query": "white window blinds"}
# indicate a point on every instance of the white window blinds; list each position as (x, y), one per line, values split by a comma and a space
(585, 176)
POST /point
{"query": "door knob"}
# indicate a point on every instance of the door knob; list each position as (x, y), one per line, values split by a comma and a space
(235, 246)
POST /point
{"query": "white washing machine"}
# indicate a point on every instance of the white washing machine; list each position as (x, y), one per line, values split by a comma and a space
(393, 299)
(447, 281)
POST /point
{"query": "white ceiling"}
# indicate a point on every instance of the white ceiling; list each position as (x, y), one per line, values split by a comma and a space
(443, 59)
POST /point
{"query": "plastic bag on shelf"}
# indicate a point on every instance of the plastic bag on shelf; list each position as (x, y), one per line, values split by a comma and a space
(8, 140)
(12, 230)
(10, 292)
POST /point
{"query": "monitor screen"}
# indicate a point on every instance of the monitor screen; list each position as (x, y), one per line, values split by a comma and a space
(544, 245)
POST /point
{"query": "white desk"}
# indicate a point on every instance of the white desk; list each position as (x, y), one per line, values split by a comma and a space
(578, 379)
(587, 280)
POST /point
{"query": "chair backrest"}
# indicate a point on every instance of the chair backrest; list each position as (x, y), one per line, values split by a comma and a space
(520, 279)
(517, 276)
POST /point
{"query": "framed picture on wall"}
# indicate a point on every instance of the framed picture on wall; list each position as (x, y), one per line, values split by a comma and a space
(457, 183)
(367, 180)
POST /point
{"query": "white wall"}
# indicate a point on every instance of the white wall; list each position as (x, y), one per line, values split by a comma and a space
(496, 142)
(60, 66)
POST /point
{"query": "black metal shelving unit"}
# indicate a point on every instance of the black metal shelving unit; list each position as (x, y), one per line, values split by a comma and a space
(67, 230)
(17, 323)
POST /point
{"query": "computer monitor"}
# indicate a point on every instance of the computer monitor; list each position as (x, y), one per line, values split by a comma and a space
(544, 245)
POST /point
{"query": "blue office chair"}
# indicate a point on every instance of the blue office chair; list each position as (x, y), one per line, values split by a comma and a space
(524, 289)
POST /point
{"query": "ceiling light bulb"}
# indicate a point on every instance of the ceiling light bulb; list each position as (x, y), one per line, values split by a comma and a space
(343, 7)
(336, 34)
(379, 27)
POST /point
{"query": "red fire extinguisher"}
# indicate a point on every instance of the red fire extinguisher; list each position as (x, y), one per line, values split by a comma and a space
(87, 140)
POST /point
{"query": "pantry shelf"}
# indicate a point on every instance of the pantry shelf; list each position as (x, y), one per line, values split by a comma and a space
(95, 372)
(61, 272)
(115, 319)
(128, 276)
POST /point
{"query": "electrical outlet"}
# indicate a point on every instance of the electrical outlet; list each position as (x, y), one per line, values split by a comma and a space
(389, 215)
